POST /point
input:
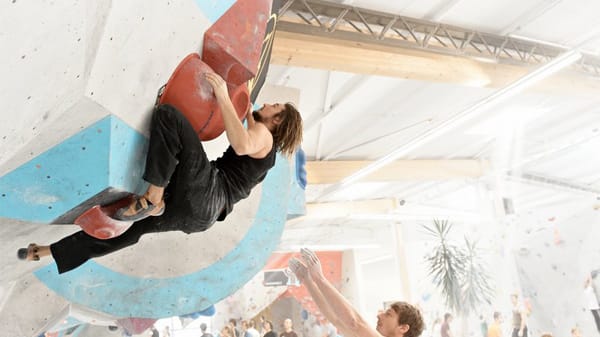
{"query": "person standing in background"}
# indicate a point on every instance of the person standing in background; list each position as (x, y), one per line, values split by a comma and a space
(445, 329)
(519, 317)
(233, 326)
(495, 330)
(287, 329)
(261, 325)
(251, 330)
(244, 330)
(268, 326)
(226, 331)
(483, 325)
(203, 328)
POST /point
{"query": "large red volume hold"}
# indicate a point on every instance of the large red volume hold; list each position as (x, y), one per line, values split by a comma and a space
(233, 44)
(189, 92)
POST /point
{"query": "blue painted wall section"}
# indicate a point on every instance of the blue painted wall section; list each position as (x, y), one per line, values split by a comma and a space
(105, 154)
(213, 9)
(105, 290)
(297, 202)
(128, 149)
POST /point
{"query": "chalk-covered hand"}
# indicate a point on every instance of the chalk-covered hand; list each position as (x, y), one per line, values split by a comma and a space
(298, 268)
(218, 84)
(312, 263)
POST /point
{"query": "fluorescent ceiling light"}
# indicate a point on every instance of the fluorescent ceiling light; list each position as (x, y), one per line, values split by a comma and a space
(544, 71)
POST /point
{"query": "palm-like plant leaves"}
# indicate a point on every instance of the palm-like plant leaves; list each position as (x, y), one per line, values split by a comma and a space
(446, 264)
(457, 272)
(476, 288)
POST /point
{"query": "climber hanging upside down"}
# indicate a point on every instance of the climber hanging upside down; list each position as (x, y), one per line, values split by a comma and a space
(187, 192)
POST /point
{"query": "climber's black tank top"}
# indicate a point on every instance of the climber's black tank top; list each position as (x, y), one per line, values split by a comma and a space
(239, 174)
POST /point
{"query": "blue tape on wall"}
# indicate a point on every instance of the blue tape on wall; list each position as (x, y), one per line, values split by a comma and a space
(105, 290)
(73, 171)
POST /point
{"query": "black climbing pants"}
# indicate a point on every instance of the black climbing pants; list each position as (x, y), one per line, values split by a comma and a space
(194, 194)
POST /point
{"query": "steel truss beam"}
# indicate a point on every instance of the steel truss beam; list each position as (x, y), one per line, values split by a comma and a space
(323, 18)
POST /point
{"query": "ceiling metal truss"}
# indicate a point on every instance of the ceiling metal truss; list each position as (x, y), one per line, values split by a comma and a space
(328, 19)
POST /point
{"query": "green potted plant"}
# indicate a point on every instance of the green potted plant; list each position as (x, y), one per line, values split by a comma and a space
(458, 272)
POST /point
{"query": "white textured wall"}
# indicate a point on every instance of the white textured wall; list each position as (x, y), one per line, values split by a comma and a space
(142, 43)
(44, 49)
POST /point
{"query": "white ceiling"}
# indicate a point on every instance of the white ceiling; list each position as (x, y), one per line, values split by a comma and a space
(549, 139)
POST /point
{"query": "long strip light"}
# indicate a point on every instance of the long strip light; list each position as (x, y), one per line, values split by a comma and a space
(562, 61)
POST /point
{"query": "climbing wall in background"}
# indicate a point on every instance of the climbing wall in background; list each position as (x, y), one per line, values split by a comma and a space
(558, 251)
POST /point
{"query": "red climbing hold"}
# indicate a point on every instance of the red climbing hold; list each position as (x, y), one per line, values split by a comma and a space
(233, 44)
(98, 222)
(189, 92)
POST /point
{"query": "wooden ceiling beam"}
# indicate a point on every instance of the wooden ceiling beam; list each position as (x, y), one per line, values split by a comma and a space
(346, 208)
(330, 172)
(302, 50)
